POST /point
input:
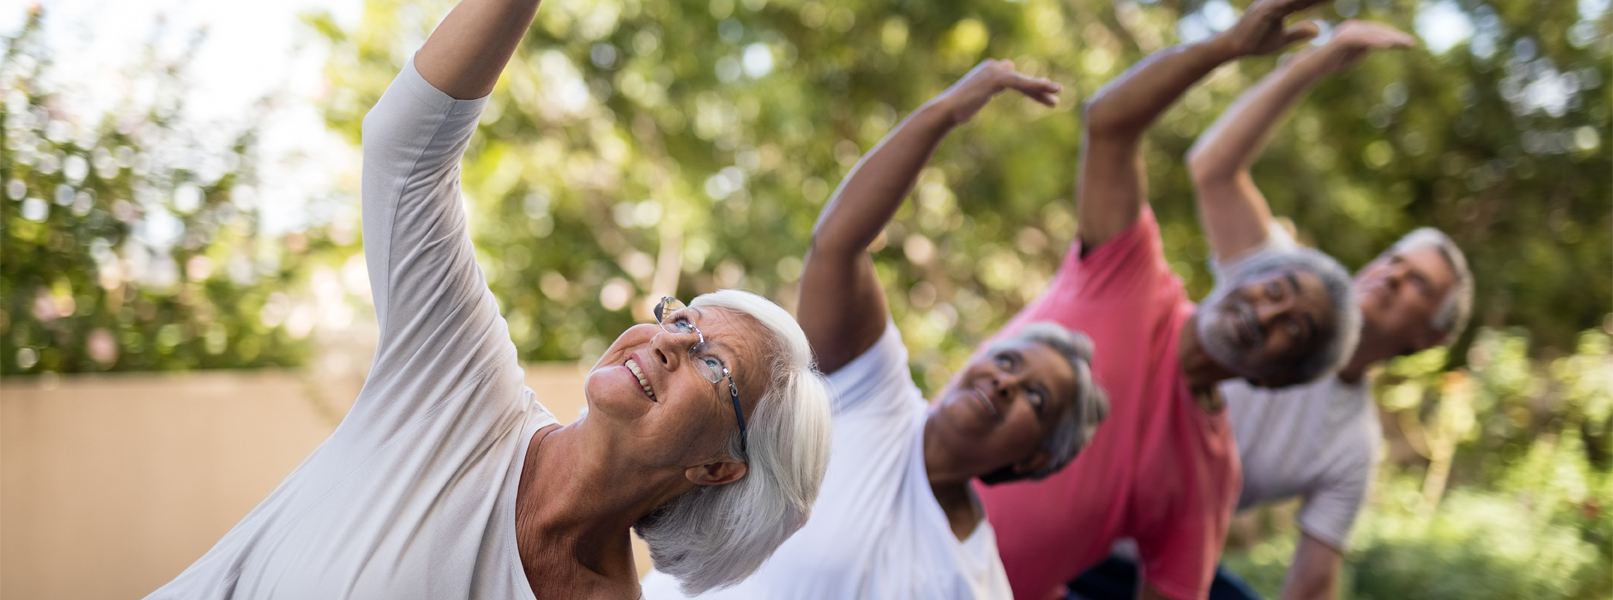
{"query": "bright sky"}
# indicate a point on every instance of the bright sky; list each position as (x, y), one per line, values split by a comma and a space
(252, 49)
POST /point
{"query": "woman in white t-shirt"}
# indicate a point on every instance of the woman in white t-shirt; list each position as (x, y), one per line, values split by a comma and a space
(897, 517)
(708, 432)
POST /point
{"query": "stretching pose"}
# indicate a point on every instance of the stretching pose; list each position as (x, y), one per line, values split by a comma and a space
(897, 519)
(708, 432)
(1415, 296)
(1164, 470)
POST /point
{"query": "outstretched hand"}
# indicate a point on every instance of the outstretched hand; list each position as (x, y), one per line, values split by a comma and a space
(1354, 40)
(966, 97)
(1262, 29)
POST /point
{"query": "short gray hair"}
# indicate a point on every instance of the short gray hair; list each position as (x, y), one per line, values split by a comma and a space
(714, 536)
(1457, 307)
(1087, 410)
(1328, 359)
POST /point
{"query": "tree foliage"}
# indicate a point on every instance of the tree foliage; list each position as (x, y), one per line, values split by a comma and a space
(130, 240)
(642, 147)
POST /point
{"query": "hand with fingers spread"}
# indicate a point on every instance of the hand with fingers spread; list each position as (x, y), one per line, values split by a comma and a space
(1354, 40)
(966, 97)
(1262, 29)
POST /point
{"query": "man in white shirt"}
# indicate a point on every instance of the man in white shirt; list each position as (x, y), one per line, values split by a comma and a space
(1317, 441)
(1320, 441)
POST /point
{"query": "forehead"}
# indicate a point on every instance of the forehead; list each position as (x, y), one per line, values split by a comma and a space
(736, 337)
(725, 328)
(1309, 286)
(1314, 292)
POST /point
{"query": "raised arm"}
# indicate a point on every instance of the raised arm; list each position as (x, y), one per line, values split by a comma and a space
(1111, 186)
(842, 307)
(1234, 213)
(439, 323)
(465, 54)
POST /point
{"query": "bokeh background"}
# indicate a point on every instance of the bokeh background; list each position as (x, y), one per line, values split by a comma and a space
(641, 147)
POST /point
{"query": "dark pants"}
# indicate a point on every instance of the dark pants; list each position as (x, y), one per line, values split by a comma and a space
(1116, 579)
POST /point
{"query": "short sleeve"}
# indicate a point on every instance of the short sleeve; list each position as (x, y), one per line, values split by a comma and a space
(1329, 511)
(1130, 266)
(878, 375)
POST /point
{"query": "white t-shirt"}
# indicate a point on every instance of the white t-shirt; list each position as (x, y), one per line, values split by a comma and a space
(413, 495)
(1319, 441)
(876, 531)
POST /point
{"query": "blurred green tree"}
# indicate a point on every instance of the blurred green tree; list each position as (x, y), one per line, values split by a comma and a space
(642, 147)
(131, 240)
(1496, 482)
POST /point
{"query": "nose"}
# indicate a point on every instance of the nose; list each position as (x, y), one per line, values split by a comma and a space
(670, 347)
(1006, 384)
(1269, 311)
(1395, 277)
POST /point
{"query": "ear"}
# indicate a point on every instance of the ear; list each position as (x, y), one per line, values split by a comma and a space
(1034, 462)
(715, 473)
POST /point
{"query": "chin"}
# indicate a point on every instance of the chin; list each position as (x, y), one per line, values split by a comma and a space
(604, 394)
(1220, 344)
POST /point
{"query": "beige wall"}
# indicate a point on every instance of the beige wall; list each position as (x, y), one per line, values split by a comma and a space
(110, 485)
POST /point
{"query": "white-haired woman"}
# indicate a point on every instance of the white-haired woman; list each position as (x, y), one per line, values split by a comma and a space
(707, 431)
(898, 518)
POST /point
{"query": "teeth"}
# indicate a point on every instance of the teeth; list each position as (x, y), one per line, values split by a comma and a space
(643, 382)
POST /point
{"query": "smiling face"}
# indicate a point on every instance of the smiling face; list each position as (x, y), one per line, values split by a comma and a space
(1400, 293)
(1003, 405)
(1271, 320)
(647, 385)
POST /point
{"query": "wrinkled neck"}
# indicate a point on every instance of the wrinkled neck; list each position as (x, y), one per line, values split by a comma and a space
(580, 495)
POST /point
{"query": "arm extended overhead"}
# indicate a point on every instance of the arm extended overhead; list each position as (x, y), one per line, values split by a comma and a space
(465, 54)
(842, 307)
(1111, 187)
(1235, 216)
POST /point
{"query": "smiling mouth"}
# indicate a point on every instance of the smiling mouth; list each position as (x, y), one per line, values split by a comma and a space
(643, 382)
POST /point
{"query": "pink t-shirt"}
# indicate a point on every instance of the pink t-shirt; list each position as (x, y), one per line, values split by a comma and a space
(1160, 470)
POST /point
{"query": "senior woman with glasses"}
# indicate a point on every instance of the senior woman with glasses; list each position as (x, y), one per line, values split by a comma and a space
(898, 518)
(448, 479)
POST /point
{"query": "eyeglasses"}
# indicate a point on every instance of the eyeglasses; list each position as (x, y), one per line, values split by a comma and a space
(705, 363)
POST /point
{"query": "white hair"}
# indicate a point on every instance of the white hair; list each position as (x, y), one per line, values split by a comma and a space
(1457, 306)
(1087, 410)
(714, 536)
